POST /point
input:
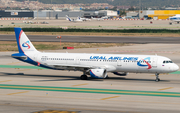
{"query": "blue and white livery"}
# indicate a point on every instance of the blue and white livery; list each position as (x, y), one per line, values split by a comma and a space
(175, 19)
(73, 20)
(95, 65)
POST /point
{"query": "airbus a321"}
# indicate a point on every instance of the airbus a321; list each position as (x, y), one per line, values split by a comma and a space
(95, 65)
(175, 19)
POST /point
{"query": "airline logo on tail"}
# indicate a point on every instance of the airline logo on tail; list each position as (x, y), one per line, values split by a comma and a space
(26, 45)
(146, 60)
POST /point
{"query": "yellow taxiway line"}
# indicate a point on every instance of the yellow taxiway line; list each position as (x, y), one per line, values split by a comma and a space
(17, 93)
(165, 88)
(110, 97)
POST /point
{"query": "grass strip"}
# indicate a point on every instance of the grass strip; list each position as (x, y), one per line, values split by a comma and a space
(94, 30)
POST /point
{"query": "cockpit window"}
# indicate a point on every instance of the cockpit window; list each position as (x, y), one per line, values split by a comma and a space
(167, 62)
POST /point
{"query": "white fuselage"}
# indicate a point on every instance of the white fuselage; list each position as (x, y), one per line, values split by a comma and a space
(175, 18)
(110, 62)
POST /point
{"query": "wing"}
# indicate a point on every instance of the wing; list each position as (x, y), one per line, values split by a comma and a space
(80, 67)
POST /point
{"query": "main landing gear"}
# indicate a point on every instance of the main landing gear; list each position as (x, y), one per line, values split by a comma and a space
(157, 77)
(84, 76)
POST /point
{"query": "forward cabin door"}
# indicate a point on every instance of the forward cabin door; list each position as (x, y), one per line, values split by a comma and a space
(154, 62)
(119, 63)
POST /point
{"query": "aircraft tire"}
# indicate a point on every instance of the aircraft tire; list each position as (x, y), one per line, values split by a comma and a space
(83, 77)
(157, 80)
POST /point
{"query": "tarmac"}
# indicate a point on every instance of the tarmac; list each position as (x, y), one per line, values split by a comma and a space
(97, 39)
(28, 89)
(106, 24)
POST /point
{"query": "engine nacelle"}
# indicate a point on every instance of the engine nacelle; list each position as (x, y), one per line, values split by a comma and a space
(98, 73)
(120, 74)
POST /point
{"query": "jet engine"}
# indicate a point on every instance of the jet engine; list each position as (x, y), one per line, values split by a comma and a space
(120, 73)
(98, 73)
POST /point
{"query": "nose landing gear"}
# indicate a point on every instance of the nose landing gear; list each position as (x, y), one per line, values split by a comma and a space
(157, 77)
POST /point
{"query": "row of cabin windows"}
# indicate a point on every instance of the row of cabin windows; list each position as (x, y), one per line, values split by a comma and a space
(56, 59)
(167, 62)
(99, 60)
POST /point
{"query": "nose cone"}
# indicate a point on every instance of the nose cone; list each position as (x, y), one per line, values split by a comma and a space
(175, 67)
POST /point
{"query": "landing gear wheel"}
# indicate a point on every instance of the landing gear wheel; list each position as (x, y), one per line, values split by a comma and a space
(157, 80)
(83, 77)
(107, 77)
(157, 77)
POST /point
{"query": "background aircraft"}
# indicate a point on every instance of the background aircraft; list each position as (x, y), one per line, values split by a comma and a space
(84, 19)
(99, 19)
(73, 20)
(175, 19)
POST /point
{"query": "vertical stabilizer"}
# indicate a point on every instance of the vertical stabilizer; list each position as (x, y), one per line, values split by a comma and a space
(23, 42)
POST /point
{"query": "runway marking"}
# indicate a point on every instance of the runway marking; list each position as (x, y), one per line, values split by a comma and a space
(161, 74)
(13, 63)
(24, 70)
(17, 93)
(5, 81)
(55, 111)
(110, 97)
(90, 90)
(177, 72)
(165, 88)
(80, 84)
(23, 67)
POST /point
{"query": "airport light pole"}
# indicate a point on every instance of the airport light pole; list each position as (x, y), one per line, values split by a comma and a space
(37, 11)
(139, 7)
(59, 38)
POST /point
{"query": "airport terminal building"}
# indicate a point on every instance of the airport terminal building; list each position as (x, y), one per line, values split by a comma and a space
(158, 14)
(58, 14)
(52, 14)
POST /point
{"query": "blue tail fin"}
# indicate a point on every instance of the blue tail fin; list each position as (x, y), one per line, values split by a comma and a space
(17, 33)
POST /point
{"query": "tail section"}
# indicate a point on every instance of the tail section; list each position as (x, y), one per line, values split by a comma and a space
(23, 42)
(68, 18)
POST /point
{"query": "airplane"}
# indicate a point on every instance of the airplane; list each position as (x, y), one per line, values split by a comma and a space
(84, 19)
(73, 20)
(95, 65)
(175, 18)
(99, 19)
